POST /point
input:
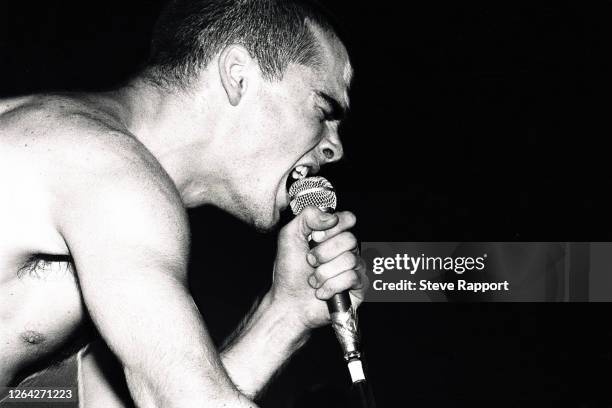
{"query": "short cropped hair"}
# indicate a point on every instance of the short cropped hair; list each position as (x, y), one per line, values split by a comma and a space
(189, 33)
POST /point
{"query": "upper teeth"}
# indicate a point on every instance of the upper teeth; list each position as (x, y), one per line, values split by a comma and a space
(299, 172)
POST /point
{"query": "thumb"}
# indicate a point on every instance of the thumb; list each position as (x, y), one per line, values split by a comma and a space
(311, 219)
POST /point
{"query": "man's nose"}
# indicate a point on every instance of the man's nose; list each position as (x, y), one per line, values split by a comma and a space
(331, 149)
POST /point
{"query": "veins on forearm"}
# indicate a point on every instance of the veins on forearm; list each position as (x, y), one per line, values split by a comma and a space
(259, 348)
(242, 325)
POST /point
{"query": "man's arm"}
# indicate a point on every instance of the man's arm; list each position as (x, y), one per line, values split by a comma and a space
(263, 343)
(281, 322)
(127, 232)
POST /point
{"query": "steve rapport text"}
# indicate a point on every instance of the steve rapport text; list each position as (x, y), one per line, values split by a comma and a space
(425, 284)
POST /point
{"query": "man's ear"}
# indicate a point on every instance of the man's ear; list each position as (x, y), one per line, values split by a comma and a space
(234, 61)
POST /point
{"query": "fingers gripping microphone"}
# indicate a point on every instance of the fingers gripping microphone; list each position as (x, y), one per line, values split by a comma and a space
(319, 192)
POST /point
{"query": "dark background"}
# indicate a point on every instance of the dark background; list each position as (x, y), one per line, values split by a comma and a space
(470, 121)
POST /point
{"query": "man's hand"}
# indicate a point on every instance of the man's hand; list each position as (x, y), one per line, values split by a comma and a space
(304, 278)
(282, 320)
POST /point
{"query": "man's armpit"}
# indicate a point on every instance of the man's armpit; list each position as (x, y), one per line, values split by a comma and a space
(43, 266)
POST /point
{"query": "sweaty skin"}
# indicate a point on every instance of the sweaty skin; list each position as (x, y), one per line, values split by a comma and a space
(77, 188)
(94, 225)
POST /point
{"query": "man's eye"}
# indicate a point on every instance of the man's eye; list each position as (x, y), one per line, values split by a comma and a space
(324, 115)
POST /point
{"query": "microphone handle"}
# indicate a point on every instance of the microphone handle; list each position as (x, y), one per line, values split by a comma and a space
(343, 316)
(340, 302)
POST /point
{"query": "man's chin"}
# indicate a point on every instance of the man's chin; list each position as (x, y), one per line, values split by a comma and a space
(266, 224)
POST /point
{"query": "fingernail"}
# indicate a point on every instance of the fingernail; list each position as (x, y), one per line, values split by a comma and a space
(312, 260)
(318, 235)
(312, 281)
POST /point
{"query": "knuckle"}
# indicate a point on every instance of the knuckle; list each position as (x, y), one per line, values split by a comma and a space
(328, 287)
(332, 247)
(346, 282)
(350, 260)
(335, 244)
(310, 211)
(325, 272)
(335, 286)
(319, 273)
(351, 240)
(350, 218)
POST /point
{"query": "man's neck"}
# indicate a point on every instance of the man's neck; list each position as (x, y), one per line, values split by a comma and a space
(166, 123)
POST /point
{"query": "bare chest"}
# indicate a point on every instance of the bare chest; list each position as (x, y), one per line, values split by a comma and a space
(40, 302)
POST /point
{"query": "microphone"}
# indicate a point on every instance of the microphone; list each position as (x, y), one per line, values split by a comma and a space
(319, 192)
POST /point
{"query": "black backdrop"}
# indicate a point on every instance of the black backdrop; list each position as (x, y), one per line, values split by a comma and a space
(470, 121)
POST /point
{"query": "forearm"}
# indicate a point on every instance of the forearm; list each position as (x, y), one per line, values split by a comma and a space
(149, 394)
(265, 341)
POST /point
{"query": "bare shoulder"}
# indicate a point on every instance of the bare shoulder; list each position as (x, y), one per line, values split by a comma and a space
(65, 127)
(75, 138)
(91, 167)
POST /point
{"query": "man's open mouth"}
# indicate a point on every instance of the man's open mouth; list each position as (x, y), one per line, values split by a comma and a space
(300, 172)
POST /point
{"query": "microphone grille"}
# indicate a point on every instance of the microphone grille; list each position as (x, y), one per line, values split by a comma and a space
(315, 191)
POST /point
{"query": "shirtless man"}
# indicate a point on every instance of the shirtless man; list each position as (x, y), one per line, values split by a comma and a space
(236, 97)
